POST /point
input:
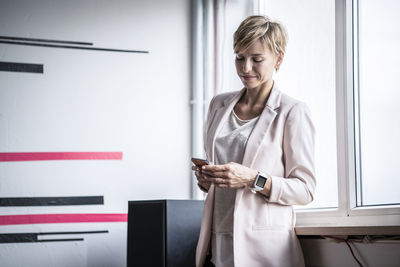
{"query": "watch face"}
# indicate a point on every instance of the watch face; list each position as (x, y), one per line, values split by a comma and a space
(261, 181)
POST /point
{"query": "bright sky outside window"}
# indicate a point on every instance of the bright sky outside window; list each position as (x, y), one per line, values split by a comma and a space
(379, 108)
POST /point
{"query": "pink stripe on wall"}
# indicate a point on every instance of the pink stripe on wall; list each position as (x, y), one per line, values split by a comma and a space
(62, 218)
(31, 156)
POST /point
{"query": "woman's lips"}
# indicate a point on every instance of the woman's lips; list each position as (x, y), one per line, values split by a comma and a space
(248, 77)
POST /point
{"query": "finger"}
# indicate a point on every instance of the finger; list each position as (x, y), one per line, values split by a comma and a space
(195, 168)
(207, 177)
(202, 180)
(230, 185)
(199, 175)
(214, 168)
(216, 180)
(202, 188)
(222, 174)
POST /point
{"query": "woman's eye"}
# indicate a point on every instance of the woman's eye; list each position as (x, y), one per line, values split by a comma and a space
(257, 59)
(239, 58)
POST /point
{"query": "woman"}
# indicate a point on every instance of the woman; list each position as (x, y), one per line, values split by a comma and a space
(261, 143)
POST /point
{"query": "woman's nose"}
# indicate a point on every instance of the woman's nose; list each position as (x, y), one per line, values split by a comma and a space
(247, 66)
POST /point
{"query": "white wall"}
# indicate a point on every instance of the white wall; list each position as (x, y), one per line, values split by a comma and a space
(94, 101)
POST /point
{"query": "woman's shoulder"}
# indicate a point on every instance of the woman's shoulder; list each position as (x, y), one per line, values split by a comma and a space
(226, 95)
(294, 110)
(219, 99)
(289, 103)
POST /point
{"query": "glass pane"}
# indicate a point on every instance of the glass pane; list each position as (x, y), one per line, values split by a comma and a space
(379, 94)
(308, 74)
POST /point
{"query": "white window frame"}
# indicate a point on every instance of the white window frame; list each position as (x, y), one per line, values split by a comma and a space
(347, 213)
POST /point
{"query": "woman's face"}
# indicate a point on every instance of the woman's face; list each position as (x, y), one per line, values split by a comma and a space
(255, 65)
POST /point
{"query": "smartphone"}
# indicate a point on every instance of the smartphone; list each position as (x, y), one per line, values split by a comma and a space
(200, 162)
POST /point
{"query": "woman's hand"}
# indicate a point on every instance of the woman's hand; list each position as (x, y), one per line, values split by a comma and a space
(202, 182)
(230, 175)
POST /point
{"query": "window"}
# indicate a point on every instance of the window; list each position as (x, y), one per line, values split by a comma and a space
(378, 128)
(342, 61)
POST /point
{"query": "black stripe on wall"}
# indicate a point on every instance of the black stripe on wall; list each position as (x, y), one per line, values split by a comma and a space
(61, 240)
(44, 40)
(33, 237)
(51, 201)
(74, 47)
(30, 238)
(73, 233)
(21, 67)
(18, 238)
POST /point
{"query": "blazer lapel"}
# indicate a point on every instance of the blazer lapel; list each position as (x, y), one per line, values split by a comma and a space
(261, 128)
(221, 115)
(257, 135)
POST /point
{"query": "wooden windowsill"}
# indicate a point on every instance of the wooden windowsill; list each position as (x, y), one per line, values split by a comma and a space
(347, 230)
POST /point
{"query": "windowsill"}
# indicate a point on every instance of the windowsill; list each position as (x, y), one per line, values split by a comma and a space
(347, 230)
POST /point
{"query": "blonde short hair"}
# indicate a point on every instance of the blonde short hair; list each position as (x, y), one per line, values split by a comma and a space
(272, 33)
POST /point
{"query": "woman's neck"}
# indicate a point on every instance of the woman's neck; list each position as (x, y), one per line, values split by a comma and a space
(258, 96)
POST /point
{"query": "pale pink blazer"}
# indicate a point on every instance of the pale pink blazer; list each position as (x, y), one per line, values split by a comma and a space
(281, 145)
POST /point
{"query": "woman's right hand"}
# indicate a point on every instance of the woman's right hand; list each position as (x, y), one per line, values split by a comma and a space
(202, 182)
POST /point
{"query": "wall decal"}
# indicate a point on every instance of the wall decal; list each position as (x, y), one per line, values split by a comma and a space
(73, 47)
(25, 238)
(33, 156)
(51, 201)
(21, 67)
(43, 40)
(62, 218)
(34, 237)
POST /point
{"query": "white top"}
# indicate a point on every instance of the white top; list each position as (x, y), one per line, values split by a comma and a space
(229, 147)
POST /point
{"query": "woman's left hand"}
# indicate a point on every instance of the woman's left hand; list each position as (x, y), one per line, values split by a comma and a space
(230, 175)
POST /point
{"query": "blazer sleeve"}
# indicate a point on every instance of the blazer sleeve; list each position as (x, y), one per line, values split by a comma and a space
(298, 185)
(206, 126)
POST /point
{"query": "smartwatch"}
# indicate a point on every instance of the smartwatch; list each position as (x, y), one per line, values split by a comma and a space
(259, 182)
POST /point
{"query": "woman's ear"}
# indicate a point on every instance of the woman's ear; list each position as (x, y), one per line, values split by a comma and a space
(279, 60)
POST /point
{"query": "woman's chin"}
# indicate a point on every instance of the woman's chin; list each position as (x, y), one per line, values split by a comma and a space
(249, 85)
